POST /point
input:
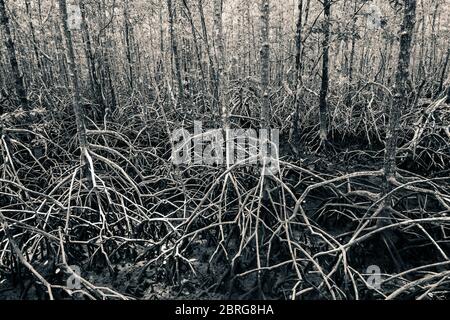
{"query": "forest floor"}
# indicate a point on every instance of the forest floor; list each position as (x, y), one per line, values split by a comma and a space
(210, 279)
(183, 233)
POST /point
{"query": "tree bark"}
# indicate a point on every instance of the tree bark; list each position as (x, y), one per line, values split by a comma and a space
(10, 48)
(95, 85)
(33, 35)
(398, 104)
(443, 74)
(323, 105)
(212, 69)
(198, 53)
(401, 78)
(176, 56)
(220, 62)
(298, 74)
(74, 81)
(128, 33)
(265, 56)
(348, 98)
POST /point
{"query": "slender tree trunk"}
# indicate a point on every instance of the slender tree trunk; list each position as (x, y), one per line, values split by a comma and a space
(33, 35)
(325, 73)
(212, 69)
(265, 123)
(251, 38)
(109, 77)
(46, 68)
(444, 72)
(401, 79)
(348, 98)
(265, 60)
(448, 96)
(176, 57)
(10, 48)
(399, 103)
(105, 43)
(186, 62)
(220, 63)
(432, 61)
(60, 73)
(160, 73)
(298, 73)
(198, 53)
(95, 85)
(298, 42)
(128, 32)
(74, 80)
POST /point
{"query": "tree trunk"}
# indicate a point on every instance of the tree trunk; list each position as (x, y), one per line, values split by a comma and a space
(401, 78)
(448, 96)
(325, 73)
(197, 53)
(298, 75)
(348, 98)
(95, 85)
(212, 69)
(265, 56)
(399, 103)
(33, 35)
(176, 57)
(73, 75)
(443, 74)
(160, 68)
(128, 33)
(220, 62)
(9, 44)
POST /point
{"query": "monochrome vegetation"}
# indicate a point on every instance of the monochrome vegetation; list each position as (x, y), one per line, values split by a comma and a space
(93, 205)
